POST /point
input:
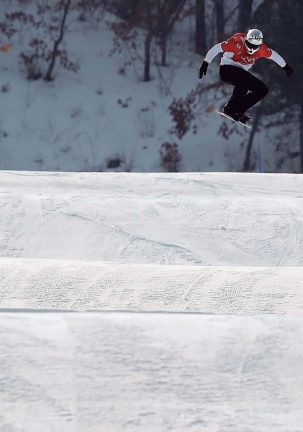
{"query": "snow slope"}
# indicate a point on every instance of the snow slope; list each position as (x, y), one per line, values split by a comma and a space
(177, 277)
(99, 286)
(134, 372)
(192, 219)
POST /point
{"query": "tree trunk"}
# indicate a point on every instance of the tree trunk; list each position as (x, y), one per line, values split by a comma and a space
(244, 16)
(247, 164)
(200, 27)
(167, 15)
(147, 49)
(219, 6)
(55, 52)
(163, 50)
(301, 137)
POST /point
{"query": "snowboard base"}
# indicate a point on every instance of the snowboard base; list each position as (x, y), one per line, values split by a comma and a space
(230, 118)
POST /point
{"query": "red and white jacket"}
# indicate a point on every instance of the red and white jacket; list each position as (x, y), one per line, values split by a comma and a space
(235, 53)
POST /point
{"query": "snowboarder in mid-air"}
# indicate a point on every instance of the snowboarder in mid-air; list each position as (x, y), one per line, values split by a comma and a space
(240, 53)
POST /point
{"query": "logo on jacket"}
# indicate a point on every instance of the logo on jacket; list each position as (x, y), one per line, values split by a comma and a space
(247, 59)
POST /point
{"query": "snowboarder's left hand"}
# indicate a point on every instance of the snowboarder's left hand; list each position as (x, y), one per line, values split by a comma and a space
(288, 69)
(203, 69)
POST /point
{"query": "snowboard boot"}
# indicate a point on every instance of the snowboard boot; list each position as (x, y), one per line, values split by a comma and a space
(233, 115)
(244, 119)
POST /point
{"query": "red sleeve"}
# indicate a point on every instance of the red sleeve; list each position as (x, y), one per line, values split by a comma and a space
(264, 51)
(230, 44)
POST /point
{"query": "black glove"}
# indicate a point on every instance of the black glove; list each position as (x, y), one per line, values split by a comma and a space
(288, 69)
(203, 69)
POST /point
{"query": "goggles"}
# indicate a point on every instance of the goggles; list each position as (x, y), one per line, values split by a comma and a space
(252, 47)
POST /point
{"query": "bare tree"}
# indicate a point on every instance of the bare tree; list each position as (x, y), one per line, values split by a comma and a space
(301, 135)
(244, 15)
(64, 6)
(286, 94)
(220, 20)
(148, 40)
(200, 34)
(247, 160)
(157, 19)
(42, 47)
(168, 15)
(160, 18)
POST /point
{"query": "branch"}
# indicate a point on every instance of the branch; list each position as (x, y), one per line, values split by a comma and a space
(231, 14)
(48, 76)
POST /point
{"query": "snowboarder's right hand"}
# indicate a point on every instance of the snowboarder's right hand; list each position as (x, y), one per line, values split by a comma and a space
(288, 69)
(203, 69)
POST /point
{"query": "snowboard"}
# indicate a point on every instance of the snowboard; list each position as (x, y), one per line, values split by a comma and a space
(230, 118)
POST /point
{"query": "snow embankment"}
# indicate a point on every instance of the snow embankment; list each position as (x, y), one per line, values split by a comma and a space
(140, 372)
(189, 219)
(32, 284)
(213, 244)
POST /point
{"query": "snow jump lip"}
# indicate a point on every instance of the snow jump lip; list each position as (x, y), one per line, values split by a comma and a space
(179, 218)
(61, 285)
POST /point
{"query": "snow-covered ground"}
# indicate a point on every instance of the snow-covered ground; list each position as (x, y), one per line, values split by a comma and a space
(142, 302)
(94, 286)
(177, 278)
(136, 372)
(195, 219)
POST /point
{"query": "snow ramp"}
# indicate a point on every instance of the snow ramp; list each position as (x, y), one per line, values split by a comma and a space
(152, 302)
(93, 286)
(183, 219)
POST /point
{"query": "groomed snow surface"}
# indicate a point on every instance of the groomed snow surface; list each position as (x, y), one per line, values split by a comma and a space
(151, 302)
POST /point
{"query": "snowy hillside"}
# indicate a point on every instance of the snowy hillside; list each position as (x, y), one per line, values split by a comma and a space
(177, 278)
(82, 121)
(100, 119)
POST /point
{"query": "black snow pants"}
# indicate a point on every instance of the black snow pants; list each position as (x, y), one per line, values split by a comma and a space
(248, 89)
